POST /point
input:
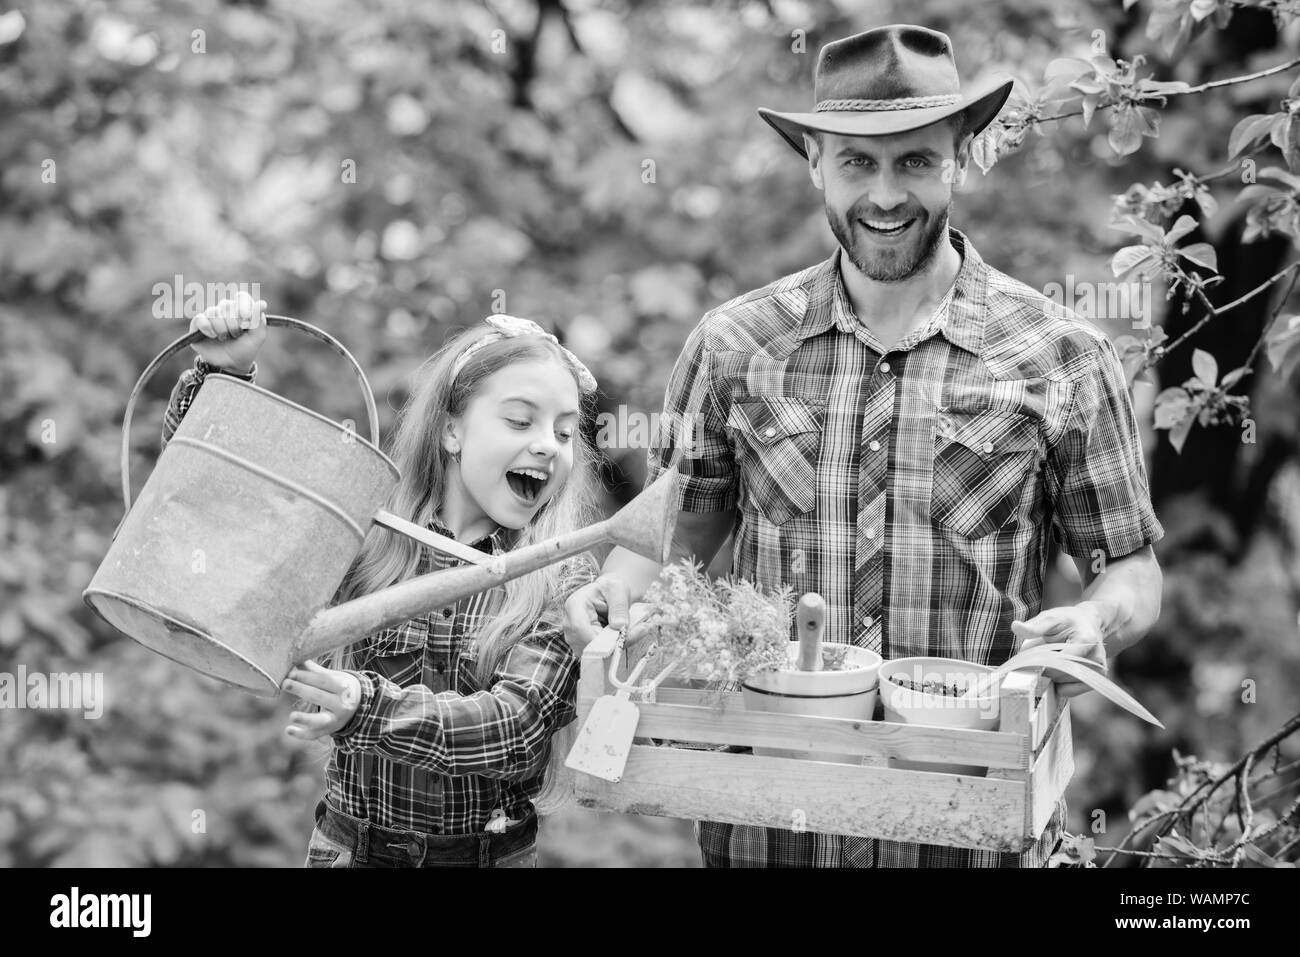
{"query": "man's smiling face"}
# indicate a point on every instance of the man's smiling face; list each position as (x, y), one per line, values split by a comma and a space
(887, 197)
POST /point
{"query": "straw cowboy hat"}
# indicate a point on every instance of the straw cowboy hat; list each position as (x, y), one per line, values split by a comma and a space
(889, 80)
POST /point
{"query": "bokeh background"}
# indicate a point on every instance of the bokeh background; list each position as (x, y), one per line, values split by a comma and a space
(393, 171)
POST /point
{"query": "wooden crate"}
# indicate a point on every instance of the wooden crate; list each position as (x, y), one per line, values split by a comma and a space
(1029, 760)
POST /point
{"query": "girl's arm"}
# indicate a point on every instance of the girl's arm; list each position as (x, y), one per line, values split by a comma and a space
(187, 386)
(501, 733)
(234, 331)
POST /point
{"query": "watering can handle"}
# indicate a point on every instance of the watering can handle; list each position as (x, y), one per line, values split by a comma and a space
(193, 337)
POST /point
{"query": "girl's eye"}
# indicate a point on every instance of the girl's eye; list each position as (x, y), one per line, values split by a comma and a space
(519, 423)
(565, 436)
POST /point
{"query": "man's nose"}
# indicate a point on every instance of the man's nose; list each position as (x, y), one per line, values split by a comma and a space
(886, 192)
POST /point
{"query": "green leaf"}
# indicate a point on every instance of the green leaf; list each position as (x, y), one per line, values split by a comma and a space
(1173, 405)
(1282, 344)
(1202, 254)
(1089, 108)
(1288, 179)
(1066, 70)
(1181, 227)
(1236, 375)
(1129, 259)
(1249, 133)
(1139, 227)
(1206, 367)
(1178, 434)
(1125, 130)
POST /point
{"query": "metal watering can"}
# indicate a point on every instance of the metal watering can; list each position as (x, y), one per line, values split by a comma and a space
(255, 511)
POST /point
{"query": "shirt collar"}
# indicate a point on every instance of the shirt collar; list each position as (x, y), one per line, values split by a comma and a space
(962, 323)
(494, 543)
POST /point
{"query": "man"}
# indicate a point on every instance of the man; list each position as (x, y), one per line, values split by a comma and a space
(901, 427)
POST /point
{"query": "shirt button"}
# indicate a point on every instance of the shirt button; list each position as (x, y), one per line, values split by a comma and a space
(884, 367)
(988, 447)
(868, 622)
(871, 533)
(874, 446)
(770, 433)
(446, 613)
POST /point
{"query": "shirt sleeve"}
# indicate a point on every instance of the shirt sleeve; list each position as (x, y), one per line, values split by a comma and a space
(1096, 475)
(692, 434)
(183, 392)
(501, 733)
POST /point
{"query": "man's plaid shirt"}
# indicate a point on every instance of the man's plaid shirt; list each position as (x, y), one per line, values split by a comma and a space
(430, 748)
(913, 490)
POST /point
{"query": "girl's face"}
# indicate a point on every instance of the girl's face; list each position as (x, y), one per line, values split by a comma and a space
(516, 440)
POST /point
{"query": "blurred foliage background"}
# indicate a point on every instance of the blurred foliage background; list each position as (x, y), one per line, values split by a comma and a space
(392, 170)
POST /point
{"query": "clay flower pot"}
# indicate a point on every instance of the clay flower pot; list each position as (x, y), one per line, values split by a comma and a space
(903, 703)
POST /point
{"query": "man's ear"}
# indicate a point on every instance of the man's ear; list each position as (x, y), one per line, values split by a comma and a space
(814, 152)
(962, 161)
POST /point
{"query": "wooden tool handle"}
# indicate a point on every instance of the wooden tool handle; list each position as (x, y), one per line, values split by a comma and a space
(810, 619)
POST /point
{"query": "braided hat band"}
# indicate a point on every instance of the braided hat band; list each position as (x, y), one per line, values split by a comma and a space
(513, 327)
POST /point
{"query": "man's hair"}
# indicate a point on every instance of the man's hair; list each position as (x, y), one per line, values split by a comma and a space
(959, 122)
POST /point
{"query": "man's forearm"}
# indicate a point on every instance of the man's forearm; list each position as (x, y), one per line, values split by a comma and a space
(638, 572)
(698, 535)
(1126, 598)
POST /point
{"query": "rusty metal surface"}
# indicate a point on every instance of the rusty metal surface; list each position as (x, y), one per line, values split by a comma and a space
(244, 530)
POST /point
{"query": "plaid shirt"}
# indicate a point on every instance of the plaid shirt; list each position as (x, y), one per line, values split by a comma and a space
(430, 748)
(913, 489)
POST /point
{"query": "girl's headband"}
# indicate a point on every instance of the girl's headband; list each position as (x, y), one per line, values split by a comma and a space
(512, 327)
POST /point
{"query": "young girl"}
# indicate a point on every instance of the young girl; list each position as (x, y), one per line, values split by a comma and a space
(442, 727)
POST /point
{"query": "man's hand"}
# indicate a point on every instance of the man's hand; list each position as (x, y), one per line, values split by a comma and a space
(1078, 627)
(592, 607)
(337, 692)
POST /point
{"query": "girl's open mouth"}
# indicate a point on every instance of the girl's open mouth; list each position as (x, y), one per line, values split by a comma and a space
(527, 484)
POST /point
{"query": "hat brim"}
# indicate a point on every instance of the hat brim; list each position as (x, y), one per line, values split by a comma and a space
(982, 104)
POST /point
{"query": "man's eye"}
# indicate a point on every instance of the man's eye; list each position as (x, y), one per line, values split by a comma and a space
(917, 162)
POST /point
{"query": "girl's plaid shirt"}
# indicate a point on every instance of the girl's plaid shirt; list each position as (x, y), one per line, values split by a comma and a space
(916, 489)
(430, 748)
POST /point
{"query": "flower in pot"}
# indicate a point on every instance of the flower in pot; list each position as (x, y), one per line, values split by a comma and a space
(717, 632)
(934, 691)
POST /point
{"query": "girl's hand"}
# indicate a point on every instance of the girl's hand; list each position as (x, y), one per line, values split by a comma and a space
(337, 692)
(237, 328)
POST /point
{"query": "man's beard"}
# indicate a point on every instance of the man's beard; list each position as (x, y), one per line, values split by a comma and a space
(890, 264)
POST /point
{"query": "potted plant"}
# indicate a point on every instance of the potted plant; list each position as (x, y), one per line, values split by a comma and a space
(726, 631)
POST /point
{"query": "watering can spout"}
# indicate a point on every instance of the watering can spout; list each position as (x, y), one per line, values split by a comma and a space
(645, 525)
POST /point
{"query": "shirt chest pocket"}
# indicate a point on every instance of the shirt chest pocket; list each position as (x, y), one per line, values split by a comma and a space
(398, 653)
(777, 443)
(981, 463)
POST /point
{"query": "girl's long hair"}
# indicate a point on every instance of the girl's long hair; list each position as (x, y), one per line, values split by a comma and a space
(515, 609)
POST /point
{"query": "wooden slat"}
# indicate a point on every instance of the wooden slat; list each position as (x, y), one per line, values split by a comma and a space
(882, 739)
(1045, 712)
(594, 666)
(888, 803)
(1016, 702)
(667, 693)
(1051, 773)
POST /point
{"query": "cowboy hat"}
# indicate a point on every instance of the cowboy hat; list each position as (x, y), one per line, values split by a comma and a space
(889, 80)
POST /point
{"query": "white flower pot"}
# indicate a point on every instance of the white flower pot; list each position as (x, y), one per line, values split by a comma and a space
(905, 705)
(850, 693)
